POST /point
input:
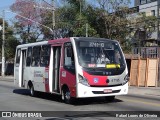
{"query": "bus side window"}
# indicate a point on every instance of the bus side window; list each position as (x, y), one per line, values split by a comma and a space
(69, 62)
(36, 56)
(45, 55)
(29, 56)
(18, 56)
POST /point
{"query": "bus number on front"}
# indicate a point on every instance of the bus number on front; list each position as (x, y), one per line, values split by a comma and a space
(96, 44)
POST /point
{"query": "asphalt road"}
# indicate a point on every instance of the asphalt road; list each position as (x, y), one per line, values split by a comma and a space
(13, 98)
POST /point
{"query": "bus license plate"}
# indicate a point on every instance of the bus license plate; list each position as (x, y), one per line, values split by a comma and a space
(107, 90)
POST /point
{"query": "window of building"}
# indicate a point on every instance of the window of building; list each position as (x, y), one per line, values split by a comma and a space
(148, 1)
(143, 1)
(153, 0)
(159, 11)
(153, 13)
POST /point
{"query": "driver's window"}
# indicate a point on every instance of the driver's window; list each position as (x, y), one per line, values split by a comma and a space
(69, 57)
(117, 56)
(68, 60)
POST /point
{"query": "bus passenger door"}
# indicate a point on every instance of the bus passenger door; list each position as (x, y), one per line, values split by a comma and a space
(22, 68)
(56, 67)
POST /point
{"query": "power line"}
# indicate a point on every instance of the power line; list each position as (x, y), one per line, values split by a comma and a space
(48, 3)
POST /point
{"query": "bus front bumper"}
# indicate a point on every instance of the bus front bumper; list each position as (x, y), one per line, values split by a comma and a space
(86, 91)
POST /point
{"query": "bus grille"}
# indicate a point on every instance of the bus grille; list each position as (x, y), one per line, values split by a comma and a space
(106, 85)
(102, 92)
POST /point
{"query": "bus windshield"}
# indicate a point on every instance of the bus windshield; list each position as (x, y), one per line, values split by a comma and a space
(99, 54)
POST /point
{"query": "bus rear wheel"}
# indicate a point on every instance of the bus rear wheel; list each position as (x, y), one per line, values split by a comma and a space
(110, 98)
(31, 89)
(66, 96)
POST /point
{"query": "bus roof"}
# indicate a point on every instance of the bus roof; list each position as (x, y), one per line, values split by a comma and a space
(61, 41)
(93, 38)
(32, 44)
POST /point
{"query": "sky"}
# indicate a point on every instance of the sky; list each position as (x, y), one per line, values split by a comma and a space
(5, 5)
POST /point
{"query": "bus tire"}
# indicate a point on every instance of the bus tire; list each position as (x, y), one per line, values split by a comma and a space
(32, 92)
(66, 96)
(110, 98)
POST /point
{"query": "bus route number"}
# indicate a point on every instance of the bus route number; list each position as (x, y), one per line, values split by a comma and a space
(96, 44)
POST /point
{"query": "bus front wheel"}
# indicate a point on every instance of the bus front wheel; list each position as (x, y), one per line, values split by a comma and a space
(66, 96)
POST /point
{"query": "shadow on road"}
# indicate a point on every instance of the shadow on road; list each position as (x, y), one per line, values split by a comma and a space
(57, 98)
(21, 91)
(77, 115)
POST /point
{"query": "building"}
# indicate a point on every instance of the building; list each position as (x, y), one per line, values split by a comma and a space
(150, 8)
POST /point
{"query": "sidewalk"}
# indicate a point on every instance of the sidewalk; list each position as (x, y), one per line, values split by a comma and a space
(7, 78)
(153, 91)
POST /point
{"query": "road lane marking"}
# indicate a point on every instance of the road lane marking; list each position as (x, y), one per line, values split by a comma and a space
(139, 101)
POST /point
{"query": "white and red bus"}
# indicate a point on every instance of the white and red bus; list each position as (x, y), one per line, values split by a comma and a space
(75, 67)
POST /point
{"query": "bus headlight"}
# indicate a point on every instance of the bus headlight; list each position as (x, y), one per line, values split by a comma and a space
(83, 80)
(126, 79)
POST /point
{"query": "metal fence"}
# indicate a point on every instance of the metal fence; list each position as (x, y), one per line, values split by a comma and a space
(147, 52)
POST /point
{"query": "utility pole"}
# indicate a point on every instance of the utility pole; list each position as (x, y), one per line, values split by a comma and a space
(86, 29)
(49, 8)
(53, 15)
(3, 45)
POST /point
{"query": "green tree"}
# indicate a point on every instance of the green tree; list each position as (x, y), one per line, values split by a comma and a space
(144, 27)
(28, 20)
(110, 19)
(10, 41)
(71, 20)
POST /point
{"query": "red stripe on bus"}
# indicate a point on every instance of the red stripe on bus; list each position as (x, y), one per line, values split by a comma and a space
(46, 80)
(95, 79)
(46, 85)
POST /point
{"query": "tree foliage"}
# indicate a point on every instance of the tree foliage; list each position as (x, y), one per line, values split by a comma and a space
(10, 41)
(70, 20)
(143, 27)
(108, 25)
(106, 18)
(28, 20)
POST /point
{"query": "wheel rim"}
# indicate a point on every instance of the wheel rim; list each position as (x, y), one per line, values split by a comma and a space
(31, 91)
(67, 95)
(62, 95)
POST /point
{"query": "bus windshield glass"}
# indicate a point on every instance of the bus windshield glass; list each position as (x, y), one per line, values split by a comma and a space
(99, 54)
